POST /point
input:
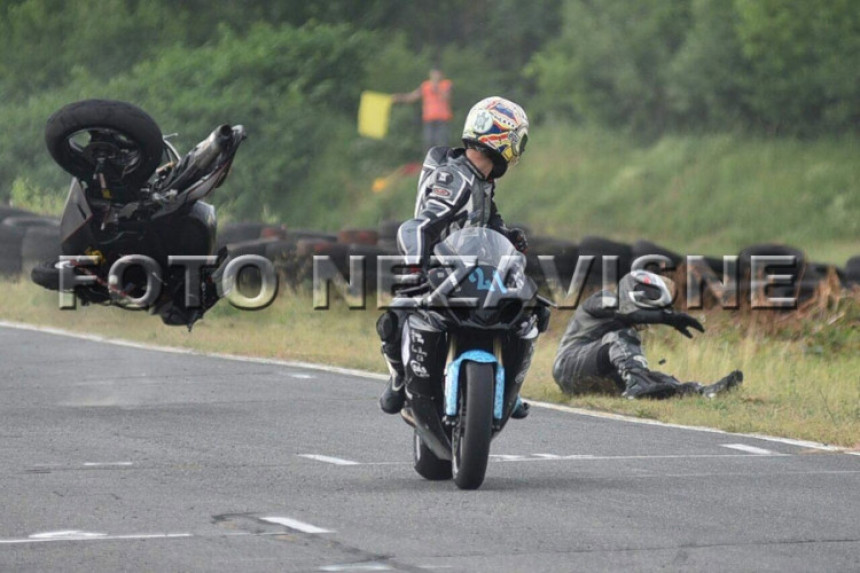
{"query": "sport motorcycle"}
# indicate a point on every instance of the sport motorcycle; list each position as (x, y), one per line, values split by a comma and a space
(476, 301)
(132, 194)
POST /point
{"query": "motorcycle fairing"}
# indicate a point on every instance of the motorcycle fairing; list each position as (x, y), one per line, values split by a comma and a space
(75, 233)
(424, 387)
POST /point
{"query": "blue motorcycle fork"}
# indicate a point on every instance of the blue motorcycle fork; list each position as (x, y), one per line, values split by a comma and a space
(482, 349)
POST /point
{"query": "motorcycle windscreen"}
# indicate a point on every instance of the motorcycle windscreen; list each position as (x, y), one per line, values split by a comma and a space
(488, 266)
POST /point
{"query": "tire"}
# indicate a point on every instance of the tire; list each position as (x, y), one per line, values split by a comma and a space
(642, 248)
(39, 244)
(599, 247)
(371, 256)
(141, 141)
(308, 234)
(427, 464)
(11, 239)
(388, 229)
(472, 435)
(6, 212)
(274, 232)
(852, 271)
(249, 280)
(239, 233)
(358, 237)
(782, 291)
(565, 255)
(46, 275)
(32, 221)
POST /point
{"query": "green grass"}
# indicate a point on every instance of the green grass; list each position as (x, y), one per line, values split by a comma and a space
(698, 194)
(802, 369)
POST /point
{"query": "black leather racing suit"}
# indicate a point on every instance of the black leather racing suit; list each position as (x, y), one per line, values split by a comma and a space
(452, 194)
(601, 351)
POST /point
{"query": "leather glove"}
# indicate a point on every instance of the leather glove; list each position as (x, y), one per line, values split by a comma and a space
(681, 321)
(518, 238)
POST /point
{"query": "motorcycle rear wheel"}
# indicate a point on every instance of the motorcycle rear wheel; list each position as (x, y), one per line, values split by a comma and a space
(427, 464)
(474, 431)
(123, 136)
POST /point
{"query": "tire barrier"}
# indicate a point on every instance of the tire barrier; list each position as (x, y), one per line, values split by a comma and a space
(238, 233)
(26, 221)
(852, 271)
(6, 211)
(11, 239)
(642, 248)
(564, 255)
(249, 279)
(598, 248)
(358, 237)
(28, 239)
(309, 234)
(40, 244)
(795, 270)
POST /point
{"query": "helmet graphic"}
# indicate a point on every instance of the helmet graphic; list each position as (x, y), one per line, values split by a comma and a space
(642, 289)
(500, 128)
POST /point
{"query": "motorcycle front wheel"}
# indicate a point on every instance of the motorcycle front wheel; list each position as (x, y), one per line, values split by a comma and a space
(474, 430)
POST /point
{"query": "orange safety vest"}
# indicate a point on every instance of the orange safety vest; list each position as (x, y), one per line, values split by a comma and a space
(435, 107)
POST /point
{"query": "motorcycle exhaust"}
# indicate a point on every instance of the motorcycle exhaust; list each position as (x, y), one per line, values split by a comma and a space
(205, 152)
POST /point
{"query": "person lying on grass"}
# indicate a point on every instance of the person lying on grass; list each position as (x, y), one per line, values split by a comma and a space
(601, 350)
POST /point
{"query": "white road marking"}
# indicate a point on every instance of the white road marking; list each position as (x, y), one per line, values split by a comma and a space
(329, 460)
(296, 524)
(371, 566)
(66, 534)
(302, 376)
(375, 376)
(588, 457)
(504, 458)
(76, 536)
(649, 422)
(750, 449)
(107, 464)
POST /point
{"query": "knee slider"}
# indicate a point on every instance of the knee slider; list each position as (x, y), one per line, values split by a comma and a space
(387, 327)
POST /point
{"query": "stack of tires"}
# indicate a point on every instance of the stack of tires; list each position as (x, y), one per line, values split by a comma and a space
(26, 239)
(293, 251)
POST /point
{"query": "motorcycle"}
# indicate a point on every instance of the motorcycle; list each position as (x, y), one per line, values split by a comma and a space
(132, 194)
(479, 298)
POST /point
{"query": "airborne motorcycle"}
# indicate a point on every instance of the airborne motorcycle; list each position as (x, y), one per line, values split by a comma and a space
(477, 299)
(132, 194)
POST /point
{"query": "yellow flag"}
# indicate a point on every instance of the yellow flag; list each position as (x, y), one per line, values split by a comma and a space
(373, 113)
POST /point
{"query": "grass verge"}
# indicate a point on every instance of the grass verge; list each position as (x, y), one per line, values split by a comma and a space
(802, 369)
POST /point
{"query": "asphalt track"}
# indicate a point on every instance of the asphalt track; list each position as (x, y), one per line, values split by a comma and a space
(115, 458)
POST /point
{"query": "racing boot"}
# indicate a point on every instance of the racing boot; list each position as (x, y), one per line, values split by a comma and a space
(643, 383)
(391, 401)
(733, 380)
(521, 410)
(388, 328)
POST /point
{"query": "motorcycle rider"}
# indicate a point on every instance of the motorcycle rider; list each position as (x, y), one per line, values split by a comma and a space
(456, 190)
(601, 350)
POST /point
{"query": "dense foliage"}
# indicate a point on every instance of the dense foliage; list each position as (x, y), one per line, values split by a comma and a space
(292, 72)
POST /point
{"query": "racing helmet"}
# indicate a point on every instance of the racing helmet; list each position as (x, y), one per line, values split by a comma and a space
(643, 290)
(499, 128)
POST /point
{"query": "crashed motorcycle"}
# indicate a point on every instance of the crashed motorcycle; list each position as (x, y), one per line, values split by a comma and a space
(133, 195)
(476, 300)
